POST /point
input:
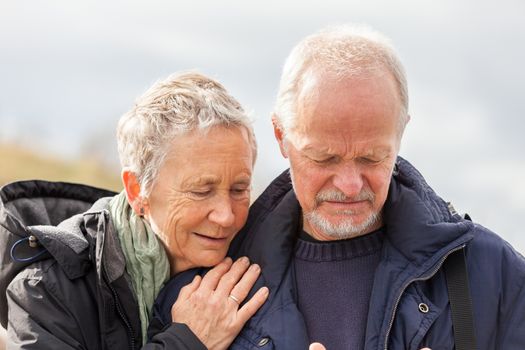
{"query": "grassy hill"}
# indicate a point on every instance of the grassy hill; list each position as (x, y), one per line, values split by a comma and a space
(18, 163)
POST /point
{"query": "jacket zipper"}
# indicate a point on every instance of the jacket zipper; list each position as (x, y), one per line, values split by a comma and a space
(118, 307)
(423, 278)
(121, 314)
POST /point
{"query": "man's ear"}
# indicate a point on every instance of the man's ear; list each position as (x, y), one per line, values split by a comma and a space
(402, 131)
(132, 188)
(279, 135)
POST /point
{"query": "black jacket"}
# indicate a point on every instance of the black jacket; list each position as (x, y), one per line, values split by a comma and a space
(71, 290)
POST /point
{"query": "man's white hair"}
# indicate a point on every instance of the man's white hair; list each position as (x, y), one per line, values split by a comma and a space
(343, 51)
(172, 107)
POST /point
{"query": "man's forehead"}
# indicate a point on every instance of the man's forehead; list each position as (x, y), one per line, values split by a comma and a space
(304, 142)
(317, 142)
(312, 144)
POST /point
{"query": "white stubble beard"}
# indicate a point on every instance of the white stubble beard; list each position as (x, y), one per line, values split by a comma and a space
(347, 228)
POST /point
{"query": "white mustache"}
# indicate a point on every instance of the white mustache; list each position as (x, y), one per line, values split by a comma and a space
(338, 196)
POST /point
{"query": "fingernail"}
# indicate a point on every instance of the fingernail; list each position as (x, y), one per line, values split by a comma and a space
(255, 268)
(245, 260)
(227, 259)
(266, 291)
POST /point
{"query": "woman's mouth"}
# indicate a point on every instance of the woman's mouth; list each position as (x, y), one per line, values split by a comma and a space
(210, 241)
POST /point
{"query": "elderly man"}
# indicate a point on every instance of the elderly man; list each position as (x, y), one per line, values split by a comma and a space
(357, 250)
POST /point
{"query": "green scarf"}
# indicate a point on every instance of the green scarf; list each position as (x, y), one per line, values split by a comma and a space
(146, 260)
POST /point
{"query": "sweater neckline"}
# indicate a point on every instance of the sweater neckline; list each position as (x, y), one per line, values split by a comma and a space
(309, 249)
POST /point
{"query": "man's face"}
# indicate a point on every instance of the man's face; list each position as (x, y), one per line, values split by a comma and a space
(342, 151)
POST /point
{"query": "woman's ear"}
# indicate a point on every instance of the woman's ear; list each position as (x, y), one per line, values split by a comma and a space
(132, 188)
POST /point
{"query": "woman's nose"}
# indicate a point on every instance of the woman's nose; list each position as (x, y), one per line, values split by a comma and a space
(222, 212)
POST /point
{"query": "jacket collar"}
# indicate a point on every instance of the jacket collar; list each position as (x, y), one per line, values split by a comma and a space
(52, 212)
(419, 223)
(419, 226)
(37, 208)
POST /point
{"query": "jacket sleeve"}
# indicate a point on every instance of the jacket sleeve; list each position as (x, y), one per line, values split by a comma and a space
(39, 318)
(176, 336)
(512, 309)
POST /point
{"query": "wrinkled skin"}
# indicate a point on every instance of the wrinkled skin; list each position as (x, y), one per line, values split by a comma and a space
(345, 140)
(219, 318)
(201, 197)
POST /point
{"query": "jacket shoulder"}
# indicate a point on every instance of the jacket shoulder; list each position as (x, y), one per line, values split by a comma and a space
(489, 247)
(493, 264)
(45, 280)
(46, 307)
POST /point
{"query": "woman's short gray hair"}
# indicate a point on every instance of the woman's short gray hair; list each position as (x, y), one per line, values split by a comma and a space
(345, 51)
(180, 104)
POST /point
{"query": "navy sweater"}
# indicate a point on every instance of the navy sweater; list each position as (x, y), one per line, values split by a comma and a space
(334, 281)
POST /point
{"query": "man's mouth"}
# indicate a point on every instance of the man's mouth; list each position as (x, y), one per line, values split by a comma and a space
(348, 205)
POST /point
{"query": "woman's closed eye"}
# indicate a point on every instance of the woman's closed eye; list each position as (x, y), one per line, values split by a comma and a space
(200, 194)
(240, 192)
(237, 193)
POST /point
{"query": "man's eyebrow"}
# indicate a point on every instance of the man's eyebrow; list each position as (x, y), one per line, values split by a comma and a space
(378, 151)
(313, 149)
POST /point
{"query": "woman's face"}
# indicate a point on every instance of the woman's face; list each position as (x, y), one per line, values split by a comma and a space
(201, 196)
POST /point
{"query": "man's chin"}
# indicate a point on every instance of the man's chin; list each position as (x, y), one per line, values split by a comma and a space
(338, 227)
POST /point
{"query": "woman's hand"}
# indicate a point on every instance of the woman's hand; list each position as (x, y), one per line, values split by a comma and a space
(210, 305)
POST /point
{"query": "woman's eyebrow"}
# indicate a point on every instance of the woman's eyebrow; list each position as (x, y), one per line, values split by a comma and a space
(202, 181)
(243, 181)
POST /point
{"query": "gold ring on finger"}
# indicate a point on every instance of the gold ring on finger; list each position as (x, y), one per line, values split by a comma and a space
(234, 298)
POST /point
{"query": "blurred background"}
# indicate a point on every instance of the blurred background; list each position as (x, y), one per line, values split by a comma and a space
(69, 69)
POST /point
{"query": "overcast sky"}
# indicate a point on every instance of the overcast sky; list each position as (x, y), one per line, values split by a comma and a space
(69, 69)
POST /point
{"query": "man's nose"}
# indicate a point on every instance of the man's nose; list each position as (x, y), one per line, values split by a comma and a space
(222, 211)
(348, 179)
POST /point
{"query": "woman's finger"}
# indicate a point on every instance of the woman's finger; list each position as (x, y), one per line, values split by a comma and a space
(229, 279)
(243, 287)
(212, 277)
(186, 291)
(252, 305)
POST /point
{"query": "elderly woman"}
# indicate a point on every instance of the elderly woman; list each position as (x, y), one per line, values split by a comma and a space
(81, 267)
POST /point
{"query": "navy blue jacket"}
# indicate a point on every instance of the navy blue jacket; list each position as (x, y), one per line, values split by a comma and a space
(421, 230)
